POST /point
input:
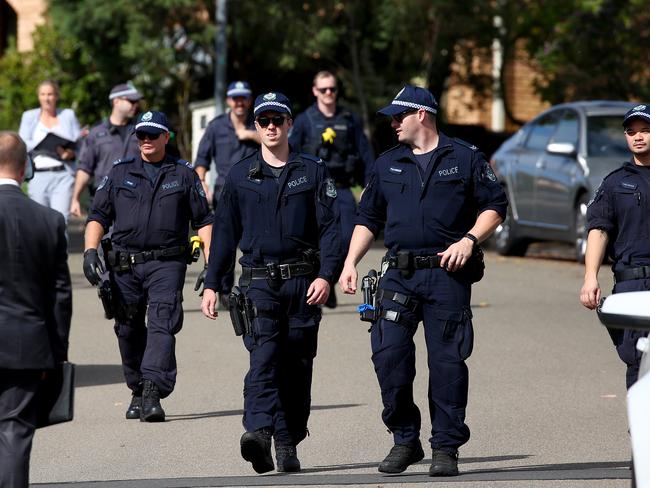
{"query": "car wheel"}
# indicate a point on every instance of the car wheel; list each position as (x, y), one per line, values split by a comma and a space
(506, 241)
(581, 229)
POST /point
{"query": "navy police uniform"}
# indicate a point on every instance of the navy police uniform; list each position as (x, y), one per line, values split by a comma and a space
(150, 215)
(277, 220)
(348, 158)
(621, 208)
(423, 212)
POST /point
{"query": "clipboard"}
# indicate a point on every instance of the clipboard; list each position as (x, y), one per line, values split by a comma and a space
(47, 147)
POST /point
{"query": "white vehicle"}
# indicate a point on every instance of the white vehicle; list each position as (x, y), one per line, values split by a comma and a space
(631, 310)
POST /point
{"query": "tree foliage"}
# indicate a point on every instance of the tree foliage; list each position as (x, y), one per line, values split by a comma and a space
(581, 48)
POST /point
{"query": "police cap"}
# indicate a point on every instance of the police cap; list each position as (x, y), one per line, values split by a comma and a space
(272, 102)
(239, 89)
(152, 123)
(641, 111)
(125, 90)
(411, 98)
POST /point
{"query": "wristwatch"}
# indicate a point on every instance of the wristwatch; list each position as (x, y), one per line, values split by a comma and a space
(472, 238)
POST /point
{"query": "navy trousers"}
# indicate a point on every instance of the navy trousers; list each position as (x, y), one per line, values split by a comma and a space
(17, 424)
(282, 347)
(443, 305)
(152, 289)
(625, 340)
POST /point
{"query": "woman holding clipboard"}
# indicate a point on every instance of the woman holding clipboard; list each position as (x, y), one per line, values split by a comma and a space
(51, 136)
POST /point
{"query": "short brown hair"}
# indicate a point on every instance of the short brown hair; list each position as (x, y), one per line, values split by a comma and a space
(52, 83)
(324, 74)
(13, 151)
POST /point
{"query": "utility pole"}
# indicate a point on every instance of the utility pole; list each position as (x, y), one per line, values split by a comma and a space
(221, 55)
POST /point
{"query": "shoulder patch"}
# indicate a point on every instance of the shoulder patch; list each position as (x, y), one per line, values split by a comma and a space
(466, 144)
(123, 160)
(330, 188)
(102, 183)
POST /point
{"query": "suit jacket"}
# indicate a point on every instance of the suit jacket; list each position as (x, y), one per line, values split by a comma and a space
(35, 289)
(68, 127)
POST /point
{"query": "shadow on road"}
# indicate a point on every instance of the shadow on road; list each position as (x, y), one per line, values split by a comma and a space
(228, 413)
(97, 374)
(550, 472)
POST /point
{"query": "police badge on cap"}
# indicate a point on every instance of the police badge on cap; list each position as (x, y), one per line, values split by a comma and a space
(641, 111)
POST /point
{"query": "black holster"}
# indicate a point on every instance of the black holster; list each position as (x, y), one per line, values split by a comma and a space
(240, 312)
(105, 294)
(475, 266)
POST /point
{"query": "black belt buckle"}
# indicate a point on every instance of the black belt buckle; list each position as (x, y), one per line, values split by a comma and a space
(285, 271)
(421, 262)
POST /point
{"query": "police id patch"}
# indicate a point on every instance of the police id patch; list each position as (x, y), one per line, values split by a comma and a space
(330, 188)
(102, 183)
(199, 189)
(488, 173)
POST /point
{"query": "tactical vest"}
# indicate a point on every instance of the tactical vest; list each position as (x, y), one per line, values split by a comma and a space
(340, 157)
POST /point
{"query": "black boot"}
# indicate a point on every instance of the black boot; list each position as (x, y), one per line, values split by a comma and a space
(133, 412)
(256, 449)
(151, 409)
(401, 456)
(286, 458)
(443, 464)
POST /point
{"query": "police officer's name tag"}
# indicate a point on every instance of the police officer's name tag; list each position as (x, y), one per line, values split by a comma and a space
(297, 182)
(448, 171)
(629, 186)
(170, 185)
(130, 184)
(395, 171)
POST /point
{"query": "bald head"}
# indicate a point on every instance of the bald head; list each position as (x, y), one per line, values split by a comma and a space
(13, 154)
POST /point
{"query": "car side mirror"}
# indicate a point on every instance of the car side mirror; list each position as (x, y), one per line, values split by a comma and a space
(626, 310)
(561, 148)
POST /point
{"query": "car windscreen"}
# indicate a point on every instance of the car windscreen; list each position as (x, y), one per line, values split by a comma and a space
(605, 137)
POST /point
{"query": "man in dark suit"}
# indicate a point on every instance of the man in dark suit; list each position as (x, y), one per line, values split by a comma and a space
(35, 307)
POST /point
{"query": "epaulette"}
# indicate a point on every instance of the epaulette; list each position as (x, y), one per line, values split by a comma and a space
(123, 160)
(466, 144)
(620, 168)
(311, 157)
(390, 149)
(182, 162)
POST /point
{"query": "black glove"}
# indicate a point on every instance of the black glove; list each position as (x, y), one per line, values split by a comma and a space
(93, 266)
(201, 280)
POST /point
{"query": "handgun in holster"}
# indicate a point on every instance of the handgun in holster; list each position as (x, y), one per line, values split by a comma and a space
(240, 312)
(369, 311)
(105, 294)
(194, 250)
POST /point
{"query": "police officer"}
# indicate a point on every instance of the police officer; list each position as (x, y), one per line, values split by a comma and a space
(335, 134)
(149, 200)
(279, 207)
(437, 199)
(228, 138)
(108, 141)
(619, 226)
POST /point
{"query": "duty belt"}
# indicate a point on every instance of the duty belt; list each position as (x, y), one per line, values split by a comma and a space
(122, 260)
(407, 261)
(277, 271)
(638, 273)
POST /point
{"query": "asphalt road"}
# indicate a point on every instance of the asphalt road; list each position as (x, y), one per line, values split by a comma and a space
(547, 397)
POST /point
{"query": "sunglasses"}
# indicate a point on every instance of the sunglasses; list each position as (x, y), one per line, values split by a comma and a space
(401, 116)
(332, 89)
(145, 135)
(278, 121)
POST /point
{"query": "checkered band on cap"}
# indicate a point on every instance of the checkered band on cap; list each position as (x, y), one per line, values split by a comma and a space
(638, 114)
(416, 106)
(123, 93)
(272, 104)
(151, 124)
